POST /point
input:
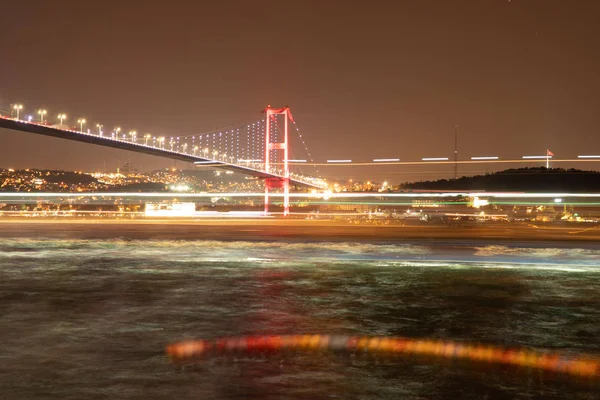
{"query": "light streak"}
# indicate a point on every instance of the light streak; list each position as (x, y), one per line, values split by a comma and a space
(419, 194)
(194, 350)
(476, 215)
(434, 159)
(536, 157)
(386, 159)
(447, 162)
(235, 194)
(296, 161)
(339, 161)
(586, 156)
(65, 213)
(142, 214)
(485, 158)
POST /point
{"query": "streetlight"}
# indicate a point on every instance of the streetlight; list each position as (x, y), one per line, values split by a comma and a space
(18, 107)
(133, 133)
(185, 147)
(81, 121)
(161, 142)
(62, 117)
(42, 113)
(215, 153)
(116, 132)
(195, 149)
(146, 137)
(171, 143)
(99, 126)
(205, 151)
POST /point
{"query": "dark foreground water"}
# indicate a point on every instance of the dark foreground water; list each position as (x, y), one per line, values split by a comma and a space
(89, 319)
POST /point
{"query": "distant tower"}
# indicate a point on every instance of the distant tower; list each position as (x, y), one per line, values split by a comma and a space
(455, 151)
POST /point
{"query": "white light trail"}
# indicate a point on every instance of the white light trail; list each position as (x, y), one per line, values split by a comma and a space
(301, 195)
(386, 159)
(537, 157)
(255, 160)
(485, 158)
(434, 159)
(207, 162)
(429, 161)
(297, 161)
(339, 161)
(585, 156)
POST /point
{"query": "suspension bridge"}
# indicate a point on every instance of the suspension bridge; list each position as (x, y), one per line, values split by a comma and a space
(260, 148)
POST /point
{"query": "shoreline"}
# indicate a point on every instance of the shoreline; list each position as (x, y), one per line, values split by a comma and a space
(290, 230)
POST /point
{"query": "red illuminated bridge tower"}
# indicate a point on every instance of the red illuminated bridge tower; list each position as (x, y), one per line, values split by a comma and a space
(284, 180)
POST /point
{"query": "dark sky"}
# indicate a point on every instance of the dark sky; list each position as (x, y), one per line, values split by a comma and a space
(364, 79)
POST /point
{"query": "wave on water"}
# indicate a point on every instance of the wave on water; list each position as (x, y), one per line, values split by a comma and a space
(256, 253)
(205, 250)
(550, 254)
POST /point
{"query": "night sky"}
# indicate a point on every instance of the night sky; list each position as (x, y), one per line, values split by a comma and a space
(364, 79)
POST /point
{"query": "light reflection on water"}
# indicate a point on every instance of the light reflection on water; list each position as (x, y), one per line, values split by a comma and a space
(89, 319)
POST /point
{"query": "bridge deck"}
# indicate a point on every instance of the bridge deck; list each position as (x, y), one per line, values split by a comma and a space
(31, 127)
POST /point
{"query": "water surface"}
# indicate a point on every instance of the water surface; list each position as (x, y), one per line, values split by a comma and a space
(90, 318)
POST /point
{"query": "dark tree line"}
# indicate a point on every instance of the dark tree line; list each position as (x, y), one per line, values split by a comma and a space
(537, 179)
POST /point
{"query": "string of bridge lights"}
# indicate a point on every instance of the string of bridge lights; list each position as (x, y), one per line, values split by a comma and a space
(310, 157)
(223, 142)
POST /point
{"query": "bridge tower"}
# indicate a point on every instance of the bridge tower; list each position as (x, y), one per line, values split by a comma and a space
(284, 181)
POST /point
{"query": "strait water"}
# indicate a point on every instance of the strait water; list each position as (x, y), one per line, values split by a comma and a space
(89, 319)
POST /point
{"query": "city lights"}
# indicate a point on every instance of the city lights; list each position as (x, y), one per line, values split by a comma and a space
(62, 117)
